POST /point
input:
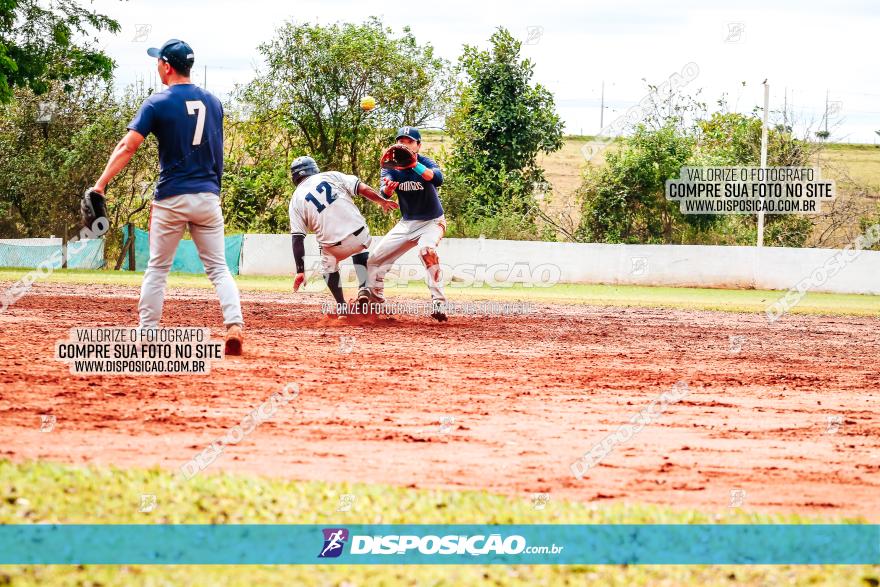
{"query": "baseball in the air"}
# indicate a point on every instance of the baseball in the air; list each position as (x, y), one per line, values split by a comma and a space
(368, 103)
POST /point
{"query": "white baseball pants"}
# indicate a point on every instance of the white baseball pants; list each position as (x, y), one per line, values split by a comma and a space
(168, 220)
(406, 234)
(350, 245)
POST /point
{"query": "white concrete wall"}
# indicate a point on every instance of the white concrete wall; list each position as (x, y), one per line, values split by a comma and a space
(534, 262)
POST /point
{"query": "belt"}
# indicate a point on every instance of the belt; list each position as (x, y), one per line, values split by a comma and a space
(355, 233)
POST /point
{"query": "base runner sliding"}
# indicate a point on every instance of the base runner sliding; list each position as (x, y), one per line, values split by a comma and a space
(323, 203)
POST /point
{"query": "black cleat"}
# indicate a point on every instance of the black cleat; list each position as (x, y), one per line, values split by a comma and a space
(363, 300)
(438, 311)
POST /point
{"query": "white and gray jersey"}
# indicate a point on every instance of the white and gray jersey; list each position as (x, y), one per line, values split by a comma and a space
(324, 204)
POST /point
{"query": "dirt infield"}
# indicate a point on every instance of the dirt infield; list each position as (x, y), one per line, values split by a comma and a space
(791, 418)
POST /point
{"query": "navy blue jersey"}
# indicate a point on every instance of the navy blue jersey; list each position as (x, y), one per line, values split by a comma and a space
(188, 123)
(418, 198)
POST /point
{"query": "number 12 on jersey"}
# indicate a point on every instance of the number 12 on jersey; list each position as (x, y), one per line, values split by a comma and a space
(325, 189)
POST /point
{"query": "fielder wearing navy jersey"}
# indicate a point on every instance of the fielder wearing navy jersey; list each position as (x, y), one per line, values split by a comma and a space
(188, 124)
(422, 224)
(418, 198)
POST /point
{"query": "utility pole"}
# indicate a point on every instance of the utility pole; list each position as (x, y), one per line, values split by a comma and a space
(785, 112)
(602, 108)
(826, 114)
(763, 158)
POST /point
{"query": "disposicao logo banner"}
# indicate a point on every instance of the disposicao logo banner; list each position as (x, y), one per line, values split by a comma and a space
(415, 544)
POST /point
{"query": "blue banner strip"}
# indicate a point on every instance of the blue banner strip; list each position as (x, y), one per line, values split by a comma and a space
(647, 544)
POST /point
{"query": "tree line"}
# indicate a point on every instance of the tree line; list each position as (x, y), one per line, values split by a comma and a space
(305, 99)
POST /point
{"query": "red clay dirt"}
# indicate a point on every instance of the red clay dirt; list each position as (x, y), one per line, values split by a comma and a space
(528, 395)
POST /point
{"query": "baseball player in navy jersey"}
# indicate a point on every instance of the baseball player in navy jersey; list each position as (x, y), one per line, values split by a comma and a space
(323, 203)
(422, 225)
(188, 124)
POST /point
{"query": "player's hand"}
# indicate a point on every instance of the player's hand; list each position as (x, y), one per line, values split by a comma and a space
(389, 186)
(389, 205)
(299, 281)
(97, 188)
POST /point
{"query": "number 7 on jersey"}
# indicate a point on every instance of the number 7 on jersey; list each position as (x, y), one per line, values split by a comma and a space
(197, 107)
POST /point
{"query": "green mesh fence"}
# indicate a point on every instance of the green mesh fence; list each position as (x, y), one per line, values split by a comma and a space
(186, 260)
(30, 255)
(86, 254)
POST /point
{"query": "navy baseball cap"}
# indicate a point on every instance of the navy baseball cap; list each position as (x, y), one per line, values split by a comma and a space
(409, 131)
(176, 52)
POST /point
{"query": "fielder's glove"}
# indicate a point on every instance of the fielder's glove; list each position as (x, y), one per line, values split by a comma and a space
(398, 156)
(92, 207)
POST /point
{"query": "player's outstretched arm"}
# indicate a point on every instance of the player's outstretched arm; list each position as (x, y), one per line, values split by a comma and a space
(120, 157)
(299, 254)
(429, 172)
(372, 195)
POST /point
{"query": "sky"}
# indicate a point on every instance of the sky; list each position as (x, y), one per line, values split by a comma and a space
(808, 51)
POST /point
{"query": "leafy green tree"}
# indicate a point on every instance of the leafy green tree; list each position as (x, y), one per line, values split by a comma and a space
(307, 101)
(256, 178)
(624, 201)
(734, 139)
(44, 168)
(500, 123)
(39, 44)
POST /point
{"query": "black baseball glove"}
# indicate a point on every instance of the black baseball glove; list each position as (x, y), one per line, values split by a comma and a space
(398, 156)
(92, 207)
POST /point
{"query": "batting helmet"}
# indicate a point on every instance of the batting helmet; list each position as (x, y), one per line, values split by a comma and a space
(302, 167)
